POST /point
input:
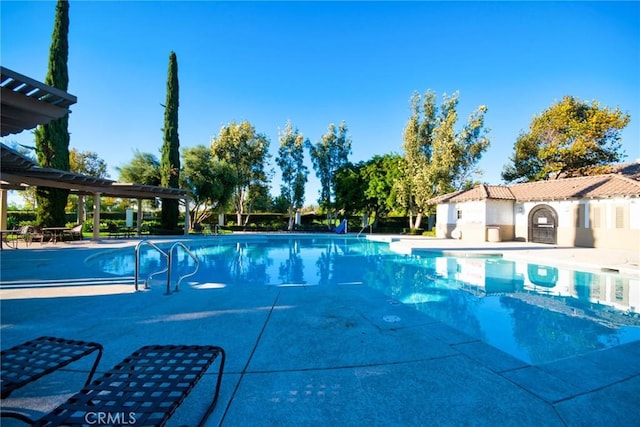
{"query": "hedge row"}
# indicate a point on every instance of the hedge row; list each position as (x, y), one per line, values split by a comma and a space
(257, 222)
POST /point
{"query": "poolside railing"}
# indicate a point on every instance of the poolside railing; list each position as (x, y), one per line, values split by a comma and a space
(168, 255)
(364, 228)
(188, 252)
(137, 265)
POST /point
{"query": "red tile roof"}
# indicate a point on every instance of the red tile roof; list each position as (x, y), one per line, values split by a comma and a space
(585, 187)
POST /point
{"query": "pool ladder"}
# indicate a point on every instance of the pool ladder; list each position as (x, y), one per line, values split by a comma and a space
(369, 226)
(216, 229)
(168, 255)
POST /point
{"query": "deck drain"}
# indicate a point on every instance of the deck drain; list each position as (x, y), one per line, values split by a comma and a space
(391, 318)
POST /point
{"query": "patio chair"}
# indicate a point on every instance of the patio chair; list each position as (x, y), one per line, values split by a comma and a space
(31, 360)
(36, 233)
(145, 388)
(74, 233)
(114, 231)
(24, 233)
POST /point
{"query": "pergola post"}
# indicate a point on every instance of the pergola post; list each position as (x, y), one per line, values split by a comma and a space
(82, 217)
(3, 209)
(139, 219)
(96, 216)
(186, 216)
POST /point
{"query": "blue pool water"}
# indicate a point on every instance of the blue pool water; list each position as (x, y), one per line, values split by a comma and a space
(534, 312)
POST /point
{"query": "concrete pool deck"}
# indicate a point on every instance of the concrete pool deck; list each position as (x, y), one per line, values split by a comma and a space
(315, 355)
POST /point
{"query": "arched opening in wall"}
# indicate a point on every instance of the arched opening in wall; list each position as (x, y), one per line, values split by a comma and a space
(541, 275)
(543, 225)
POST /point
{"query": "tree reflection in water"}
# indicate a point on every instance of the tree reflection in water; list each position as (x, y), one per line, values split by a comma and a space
(536, 313)
(292, 268)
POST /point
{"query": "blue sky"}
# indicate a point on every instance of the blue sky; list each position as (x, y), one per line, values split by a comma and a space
(317, 63)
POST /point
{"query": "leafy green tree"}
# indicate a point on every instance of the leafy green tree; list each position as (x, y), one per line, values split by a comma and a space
(280, 204)
(437, 158)
(369, 187)
(52, 139)
(380, 175)
(350, 188)
(294, 173)
(144, 168)
(412, 188)
(570, 138)
(210, 182)
(247, 152)
(328, 156)
(90, 164)
(258, 198)
(170, 158)
(87, 163)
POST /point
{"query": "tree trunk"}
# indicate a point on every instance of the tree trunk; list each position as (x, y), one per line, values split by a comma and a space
(418, 220)
(246, 220)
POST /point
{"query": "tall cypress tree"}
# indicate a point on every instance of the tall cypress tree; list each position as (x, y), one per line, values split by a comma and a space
(170, 161)
(52, 139)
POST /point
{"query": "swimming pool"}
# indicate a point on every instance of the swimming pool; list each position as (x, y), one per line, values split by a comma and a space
(537, 313)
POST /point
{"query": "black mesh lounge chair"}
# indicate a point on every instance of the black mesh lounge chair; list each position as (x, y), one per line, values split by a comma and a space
(34, 359)
(145, 388)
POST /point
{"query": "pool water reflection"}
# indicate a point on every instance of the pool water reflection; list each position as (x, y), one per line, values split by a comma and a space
(536, 313)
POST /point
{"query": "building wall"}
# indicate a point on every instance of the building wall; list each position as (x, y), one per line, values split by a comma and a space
(442, 220)
(465, 221)
(500, 215)
(472, 220)
(605, 223)
(610, 223)
(520, 221)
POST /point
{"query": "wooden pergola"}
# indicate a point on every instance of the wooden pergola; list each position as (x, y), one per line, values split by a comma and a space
(26, 104)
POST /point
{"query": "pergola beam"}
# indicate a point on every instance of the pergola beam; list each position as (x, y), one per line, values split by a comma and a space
(15, 181)
(27, 103)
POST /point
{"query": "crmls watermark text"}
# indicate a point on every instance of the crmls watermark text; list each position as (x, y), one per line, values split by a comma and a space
(110, 418)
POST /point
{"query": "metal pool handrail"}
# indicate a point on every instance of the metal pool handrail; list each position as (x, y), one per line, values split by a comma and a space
(364, 228)
(137, 268)
(195, 260)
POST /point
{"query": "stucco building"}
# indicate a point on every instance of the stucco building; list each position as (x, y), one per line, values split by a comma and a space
(601, 211)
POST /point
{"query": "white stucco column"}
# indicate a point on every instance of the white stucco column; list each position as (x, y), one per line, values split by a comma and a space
(81, 217)
(3, 209)
(96, 216)
(139, 218)
(186, 216)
